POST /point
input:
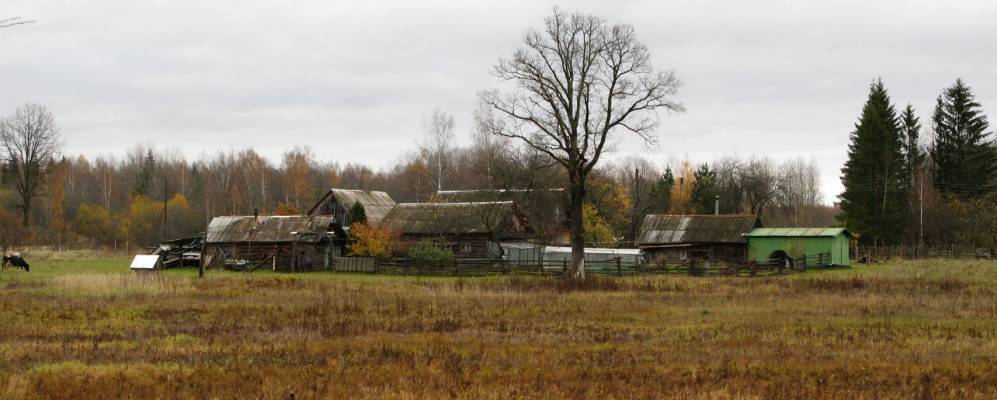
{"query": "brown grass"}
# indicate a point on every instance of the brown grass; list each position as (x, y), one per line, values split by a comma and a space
(907, 330)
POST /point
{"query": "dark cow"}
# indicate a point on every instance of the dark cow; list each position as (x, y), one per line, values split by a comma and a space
(16, 261)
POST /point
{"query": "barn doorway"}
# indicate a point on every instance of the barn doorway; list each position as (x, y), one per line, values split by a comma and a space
(781, 259)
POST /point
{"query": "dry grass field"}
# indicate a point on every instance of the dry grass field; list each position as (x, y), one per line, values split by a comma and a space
(905, 330)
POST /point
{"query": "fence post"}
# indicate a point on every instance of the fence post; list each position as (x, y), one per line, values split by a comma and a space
(619, 268)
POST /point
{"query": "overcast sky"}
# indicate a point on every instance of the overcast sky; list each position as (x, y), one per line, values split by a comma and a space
(353, 79)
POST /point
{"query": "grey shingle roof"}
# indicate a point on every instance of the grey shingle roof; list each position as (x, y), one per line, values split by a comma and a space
(453, 218)
(660, 229)
(376, 204)
(273, 229)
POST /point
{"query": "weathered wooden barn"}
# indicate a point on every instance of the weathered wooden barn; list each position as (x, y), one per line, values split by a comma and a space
(281, 243)
(543, 212)
(468, 229)
(338, 202)
(677, 239)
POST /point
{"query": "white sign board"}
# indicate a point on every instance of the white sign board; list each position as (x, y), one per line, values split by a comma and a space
(145, 262)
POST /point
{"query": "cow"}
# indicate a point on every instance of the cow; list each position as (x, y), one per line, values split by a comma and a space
(16, 261)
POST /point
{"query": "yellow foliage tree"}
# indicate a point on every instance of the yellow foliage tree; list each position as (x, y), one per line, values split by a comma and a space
(286, 209)
(611, 201)
(371, 241)
(682, 189)
(597, 230)
(181, 220)
(142, 220)
(95, 223)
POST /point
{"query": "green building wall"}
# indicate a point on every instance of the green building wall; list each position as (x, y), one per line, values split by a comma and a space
(761, 247)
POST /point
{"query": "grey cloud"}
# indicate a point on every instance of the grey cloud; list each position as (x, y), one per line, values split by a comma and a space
(353, 79)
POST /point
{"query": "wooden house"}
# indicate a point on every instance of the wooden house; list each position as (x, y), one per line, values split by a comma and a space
(281, 243)
(468, 229)
(676, 239)
(338, 202)
(543, 212)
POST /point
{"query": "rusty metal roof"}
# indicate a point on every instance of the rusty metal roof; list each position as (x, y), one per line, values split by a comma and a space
(453, 218)
(376, 204)
(273, 229)
(661, 229)
(797, 232)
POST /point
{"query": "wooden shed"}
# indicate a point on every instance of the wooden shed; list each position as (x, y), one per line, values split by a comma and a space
(675, 239)
(469, 230)
(282, 243)
(827, 246)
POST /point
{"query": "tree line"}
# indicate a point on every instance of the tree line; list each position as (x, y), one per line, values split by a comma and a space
(151, 194)
(901, 189)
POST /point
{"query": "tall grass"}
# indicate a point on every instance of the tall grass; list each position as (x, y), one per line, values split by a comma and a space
(923, 329)
(104, 284)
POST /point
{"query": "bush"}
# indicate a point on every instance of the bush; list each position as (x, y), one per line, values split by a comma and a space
(370, 241)
(428, 251)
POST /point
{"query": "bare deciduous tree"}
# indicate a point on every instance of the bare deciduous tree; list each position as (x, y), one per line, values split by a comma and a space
(580, 81)
(760, 181)
(438, 148)
(799, 190)
(30, 141)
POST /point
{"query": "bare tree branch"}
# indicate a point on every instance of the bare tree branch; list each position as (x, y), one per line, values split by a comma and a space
(30, 141)
(13, 21)
(580, 81)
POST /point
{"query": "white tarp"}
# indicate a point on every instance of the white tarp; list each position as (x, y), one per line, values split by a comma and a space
(145, 262)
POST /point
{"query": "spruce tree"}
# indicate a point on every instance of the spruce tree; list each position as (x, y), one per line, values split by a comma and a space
(876, 190)
(146, 173)
(358, 214)
(661, 193)
(910, 129)
(704, 190)
(965, 162)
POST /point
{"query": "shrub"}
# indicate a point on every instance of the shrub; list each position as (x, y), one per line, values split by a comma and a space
(371, 241)
(428, 251)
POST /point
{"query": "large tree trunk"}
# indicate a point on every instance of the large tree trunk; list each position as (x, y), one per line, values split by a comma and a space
(577, 269)
(26, 213)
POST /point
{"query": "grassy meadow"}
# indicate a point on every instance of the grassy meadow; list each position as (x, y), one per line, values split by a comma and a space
(91, 330)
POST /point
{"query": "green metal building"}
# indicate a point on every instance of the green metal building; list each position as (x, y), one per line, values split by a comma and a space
(814, 244)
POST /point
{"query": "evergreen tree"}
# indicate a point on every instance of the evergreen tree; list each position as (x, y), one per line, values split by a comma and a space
(910, 129)
(146, 173)
(661, 193)
(965, 162)
(876, 191)
(705, 190)
(358, 214)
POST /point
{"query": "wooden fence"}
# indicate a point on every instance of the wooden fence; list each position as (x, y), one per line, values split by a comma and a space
(477, 267)
(354, 264)
(916, 252)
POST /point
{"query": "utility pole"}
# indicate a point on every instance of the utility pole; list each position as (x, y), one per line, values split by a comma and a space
(920, 206)
(166, 206)
(636, 205)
